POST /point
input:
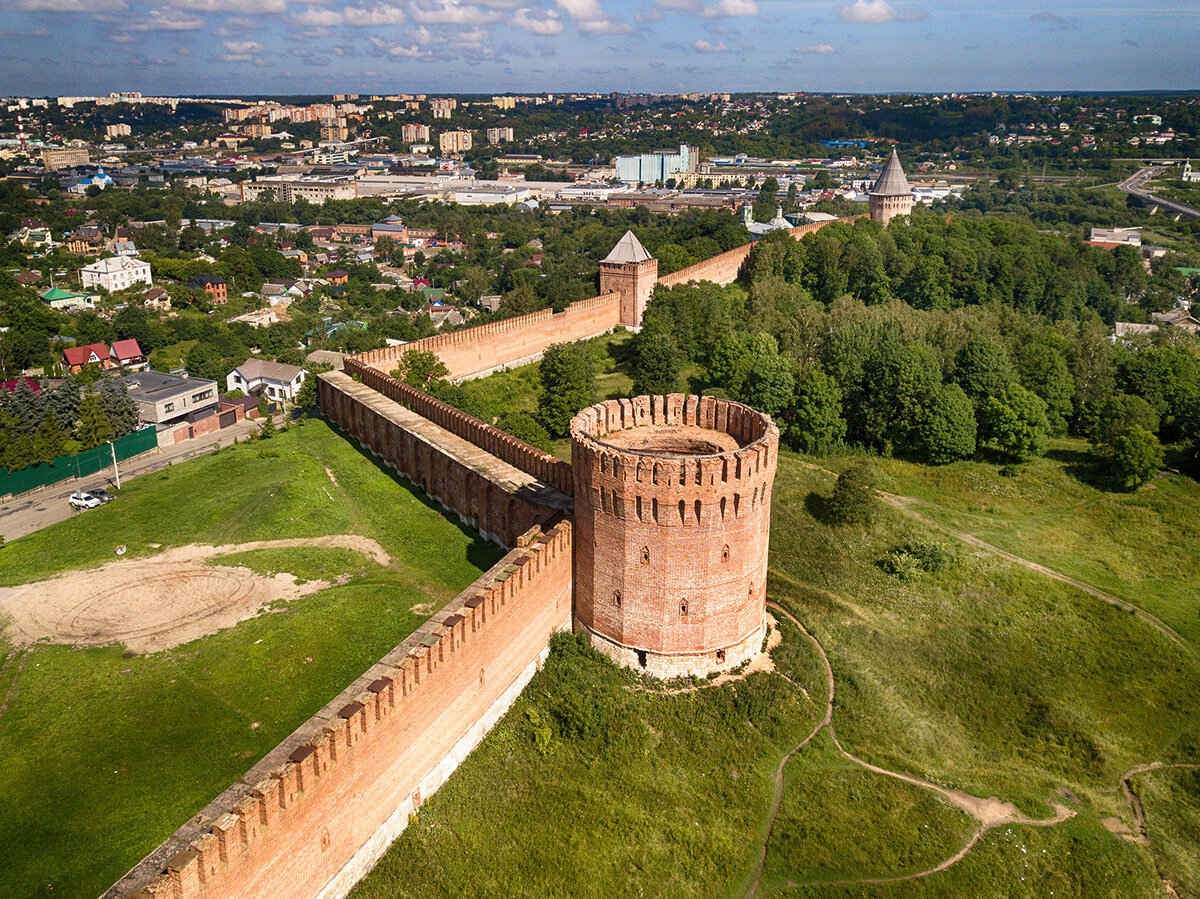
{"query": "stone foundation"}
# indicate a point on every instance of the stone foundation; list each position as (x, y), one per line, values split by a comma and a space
(668, 665)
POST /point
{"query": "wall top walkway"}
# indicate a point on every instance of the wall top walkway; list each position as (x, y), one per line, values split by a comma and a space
(469, 455)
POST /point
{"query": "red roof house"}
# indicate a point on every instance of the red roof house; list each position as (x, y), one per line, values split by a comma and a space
(77, 357)
(127, 353)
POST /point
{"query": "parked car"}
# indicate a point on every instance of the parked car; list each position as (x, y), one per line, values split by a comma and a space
(101, 494)
(84, 500)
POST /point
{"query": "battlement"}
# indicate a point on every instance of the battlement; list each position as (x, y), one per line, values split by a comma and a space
(533, 461)
(677, 461)
(483, 349)
(294, 822)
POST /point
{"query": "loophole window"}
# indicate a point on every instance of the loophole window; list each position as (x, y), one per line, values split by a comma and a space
(617, 598)
(683, 608)
(725, 553)
(645, 555)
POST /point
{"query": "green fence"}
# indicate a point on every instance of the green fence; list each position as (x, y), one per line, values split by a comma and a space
(79, 465)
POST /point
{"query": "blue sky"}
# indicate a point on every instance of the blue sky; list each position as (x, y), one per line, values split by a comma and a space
(323, 46)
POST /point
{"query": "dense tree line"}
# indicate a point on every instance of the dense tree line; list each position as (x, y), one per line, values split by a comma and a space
(37, 427)
(935, 340)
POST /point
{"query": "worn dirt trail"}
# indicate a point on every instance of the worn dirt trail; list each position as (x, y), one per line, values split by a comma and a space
(988, 813)
(156, 602)
(906, 505)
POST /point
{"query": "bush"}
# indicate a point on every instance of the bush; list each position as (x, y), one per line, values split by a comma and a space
(853, 500)
(914, 557)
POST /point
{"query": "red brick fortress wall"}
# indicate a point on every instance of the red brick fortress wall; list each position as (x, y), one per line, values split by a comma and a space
(314, 815)
(672, 521)
(541, 465)
(475, 352)
(496, 498)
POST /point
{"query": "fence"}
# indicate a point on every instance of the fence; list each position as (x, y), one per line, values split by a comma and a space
(78, 465)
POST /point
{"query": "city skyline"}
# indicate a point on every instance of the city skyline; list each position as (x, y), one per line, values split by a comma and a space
(53, 47)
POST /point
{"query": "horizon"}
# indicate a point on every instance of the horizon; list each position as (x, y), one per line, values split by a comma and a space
(290, 47)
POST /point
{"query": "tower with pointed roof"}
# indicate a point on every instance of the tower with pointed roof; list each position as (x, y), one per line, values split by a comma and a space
(891, 194)
(632, 272)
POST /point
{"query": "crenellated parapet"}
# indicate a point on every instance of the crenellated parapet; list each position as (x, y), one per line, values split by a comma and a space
(672, 515)
(288, 827)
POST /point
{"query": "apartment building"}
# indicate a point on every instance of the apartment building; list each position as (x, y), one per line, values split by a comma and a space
(414, 133)
(451, 142)
(443, 107)
(118, 130)
(54, 158)
(287, 190)
(499, 135)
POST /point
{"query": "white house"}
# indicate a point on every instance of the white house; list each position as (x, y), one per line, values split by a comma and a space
(116, 273)
(276, 381)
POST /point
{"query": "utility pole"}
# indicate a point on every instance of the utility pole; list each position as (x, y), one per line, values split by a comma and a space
(116, 471)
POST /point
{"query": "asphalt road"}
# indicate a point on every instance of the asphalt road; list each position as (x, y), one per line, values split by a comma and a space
(48, 505)
(1134, 185)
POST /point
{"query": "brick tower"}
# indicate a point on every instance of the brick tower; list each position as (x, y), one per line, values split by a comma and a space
(632, 272)
(672, 520)
(892, 194)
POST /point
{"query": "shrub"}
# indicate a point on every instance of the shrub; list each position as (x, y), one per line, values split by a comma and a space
(915, 556)
(853, 500)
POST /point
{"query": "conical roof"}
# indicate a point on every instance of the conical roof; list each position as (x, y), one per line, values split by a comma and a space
(628, 249)
(892, 181)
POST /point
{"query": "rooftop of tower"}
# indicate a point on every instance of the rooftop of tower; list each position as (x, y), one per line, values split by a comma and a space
(628, 249)
(892, 181)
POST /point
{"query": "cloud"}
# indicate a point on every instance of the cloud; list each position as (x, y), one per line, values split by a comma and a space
(238, 6)
(867, 12)
(544, 22)
(731, 9)
(451, 12)
(1050, 20)
(166, 20)
(590, 18)
(73, 6)
(240, 51)
(703, 46)
(373, 16)
(815, 50)
(319, 18)
(412, 50)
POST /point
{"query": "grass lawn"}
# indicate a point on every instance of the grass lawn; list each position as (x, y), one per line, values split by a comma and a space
(984, 677)
(106, 755)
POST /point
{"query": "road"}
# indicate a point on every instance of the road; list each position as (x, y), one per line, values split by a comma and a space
(41, 508)
(1134, 185)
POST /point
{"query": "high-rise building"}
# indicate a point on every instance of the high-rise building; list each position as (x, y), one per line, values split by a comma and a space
(64, 157)
(118, 130)
(414, 133)
(504, 102)
(650, 168)
(499, 135)
(443, 107)
(451, 142)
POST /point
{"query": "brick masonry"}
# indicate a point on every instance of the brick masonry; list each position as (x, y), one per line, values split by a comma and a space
(671, 544)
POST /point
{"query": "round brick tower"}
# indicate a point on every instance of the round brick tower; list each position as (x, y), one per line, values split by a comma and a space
(672, 520)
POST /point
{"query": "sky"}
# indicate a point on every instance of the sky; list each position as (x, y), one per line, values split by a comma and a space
(187, 47)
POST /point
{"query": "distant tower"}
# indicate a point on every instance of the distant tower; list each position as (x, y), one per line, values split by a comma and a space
(892, 194)
(632, 272)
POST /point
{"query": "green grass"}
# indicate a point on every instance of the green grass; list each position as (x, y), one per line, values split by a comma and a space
(1172, 802)
(983, 677)
(106, 755)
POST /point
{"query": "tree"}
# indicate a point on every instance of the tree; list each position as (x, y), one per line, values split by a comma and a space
(1042, 367)
(49, 441)
(983, 368)
(525, 427)
(814, 424)
(1014, 424)
(1135, 458)
(63, 403)
(946, 430)
(769, 385)
(306, 396)
(121, 411)
(94, 426)
(655, 359)
(266, 429)
(853, 500)
(567, 374)
(729, 362)
(420, 368)
(1122, 413)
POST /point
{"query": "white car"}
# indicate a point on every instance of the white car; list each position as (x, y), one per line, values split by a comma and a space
(81, 500)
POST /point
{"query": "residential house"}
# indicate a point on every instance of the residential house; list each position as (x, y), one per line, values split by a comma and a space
(116, 273)
(1179, 318)
(164, 399)
(66, 300)
(214, 286)
(85, 240)
(29, 278)
(157, 299)
(276, 381)
(338, 277)
(122, 246)
(128, 355)
(77, 358)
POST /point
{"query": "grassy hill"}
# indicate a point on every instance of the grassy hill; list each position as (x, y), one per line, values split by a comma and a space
(105, 753)
(987, 677)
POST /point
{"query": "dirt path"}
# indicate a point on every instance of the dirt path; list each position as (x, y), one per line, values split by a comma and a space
(906, 505)
(1136, 808)
(988, 813)
(155, 602)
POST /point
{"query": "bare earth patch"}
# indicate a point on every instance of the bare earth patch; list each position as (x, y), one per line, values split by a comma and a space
(154, 603)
